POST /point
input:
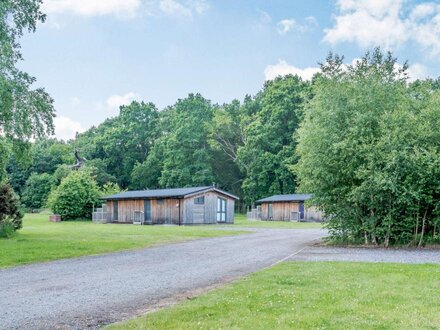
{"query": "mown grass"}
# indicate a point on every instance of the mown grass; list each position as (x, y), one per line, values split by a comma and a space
(41, 240)
(312, 295)
(240, 220)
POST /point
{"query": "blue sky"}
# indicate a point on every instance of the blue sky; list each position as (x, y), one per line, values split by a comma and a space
(94, 55)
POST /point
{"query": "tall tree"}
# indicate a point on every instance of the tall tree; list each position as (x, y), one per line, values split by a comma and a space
(123, 141)
(369, 150)
(187, 156)
(269, 130)
(25, 112)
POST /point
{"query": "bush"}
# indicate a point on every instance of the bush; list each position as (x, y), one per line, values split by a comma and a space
(75, 196)
(37, 190)
(10, 215)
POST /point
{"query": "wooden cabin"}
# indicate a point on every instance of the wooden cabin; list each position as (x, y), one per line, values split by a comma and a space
(288, 208)
(179, 206)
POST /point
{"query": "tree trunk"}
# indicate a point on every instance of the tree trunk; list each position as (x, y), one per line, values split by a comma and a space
(423, 228)
(387, 236)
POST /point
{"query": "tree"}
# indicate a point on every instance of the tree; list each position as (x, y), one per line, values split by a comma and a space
(37, 190)
(269, 143)
(121, 142)
(369, 150)
(226, 135)
(10, 214)
(25, 112)
(186, 152)
(75, 197)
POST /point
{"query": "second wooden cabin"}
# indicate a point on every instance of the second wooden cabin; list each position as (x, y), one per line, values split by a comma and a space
(289, 207)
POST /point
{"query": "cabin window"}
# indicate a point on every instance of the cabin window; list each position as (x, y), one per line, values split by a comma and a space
(199, 200)
(270, 211)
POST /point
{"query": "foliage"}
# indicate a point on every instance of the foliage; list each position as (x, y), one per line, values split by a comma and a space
(41, 240)
(75, 197)
(10, 214)
(186, 155)
(121, 142)
(369, 150)
(269, 146)
(110, 188)
(61, 172)
(37, 190)
(98, 170)
(25, 112)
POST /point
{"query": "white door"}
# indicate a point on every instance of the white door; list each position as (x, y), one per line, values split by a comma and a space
(221, 209)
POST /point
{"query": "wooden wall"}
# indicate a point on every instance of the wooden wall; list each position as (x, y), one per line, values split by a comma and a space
(164, 211)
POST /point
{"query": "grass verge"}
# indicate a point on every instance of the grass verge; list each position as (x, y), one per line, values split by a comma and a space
(312, 295)
(240, 220)
(41, 240)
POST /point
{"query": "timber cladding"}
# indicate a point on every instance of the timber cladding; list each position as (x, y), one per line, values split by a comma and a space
(286, 211)
(163, 211)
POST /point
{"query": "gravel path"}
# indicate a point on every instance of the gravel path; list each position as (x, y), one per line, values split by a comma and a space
(91, 291)
(407, 256)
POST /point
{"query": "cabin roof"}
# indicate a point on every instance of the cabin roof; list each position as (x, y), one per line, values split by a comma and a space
(286, 198)
(165, 193)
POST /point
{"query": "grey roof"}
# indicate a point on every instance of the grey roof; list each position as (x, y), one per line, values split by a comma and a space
(286, 198)
(163, 193)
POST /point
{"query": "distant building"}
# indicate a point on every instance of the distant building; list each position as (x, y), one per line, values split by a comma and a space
(288, 208)
(179, 206)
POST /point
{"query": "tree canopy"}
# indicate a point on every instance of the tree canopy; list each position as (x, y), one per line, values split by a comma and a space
(369, 149)
(25, 112)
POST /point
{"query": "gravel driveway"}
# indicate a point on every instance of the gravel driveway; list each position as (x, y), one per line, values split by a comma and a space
(91, 291)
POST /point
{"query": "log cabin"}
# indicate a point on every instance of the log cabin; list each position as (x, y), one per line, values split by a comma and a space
(289, 207)
(179, 206)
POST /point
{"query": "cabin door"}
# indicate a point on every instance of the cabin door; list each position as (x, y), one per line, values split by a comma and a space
(147, 211)
(301, 210)
(221, 209)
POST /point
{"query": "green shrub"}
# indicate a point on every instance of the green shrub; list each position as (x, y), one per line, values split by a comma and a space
(6, 229)
(10, 214)
(75, 196)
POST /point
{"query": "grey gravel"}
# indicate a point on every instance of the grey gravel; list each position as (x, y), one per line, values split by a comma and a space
(408, 256)
(88, 292)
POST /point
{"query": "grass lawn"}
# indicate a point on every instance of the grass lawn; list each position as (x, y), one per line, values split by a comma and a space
(312, 295)
(240, 220)
(41, 240)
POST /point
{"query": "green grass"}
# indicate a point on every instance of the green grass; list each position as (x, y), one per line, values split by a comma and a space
(312, 295)
(241, 221)
(41, 240)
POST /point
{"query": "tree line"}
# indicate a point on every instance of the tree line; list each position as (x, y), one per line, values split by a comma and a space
(244, 147)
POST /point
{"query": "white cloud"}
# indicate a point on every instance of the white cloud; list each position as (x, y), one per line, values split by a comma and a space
(66, 128)
(119, 8)
(285, 26)
(283, 68)
(187, 10)
(115, 101)
(311, 20)
(174, 8)
(417, 71)
(386, 23)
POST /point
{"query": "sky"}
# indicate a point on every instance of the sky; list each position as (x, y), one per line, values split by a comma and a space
(92, 56)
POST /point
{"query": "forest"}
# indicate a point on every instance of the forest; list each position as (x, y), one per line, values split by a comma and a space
(363, 138)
